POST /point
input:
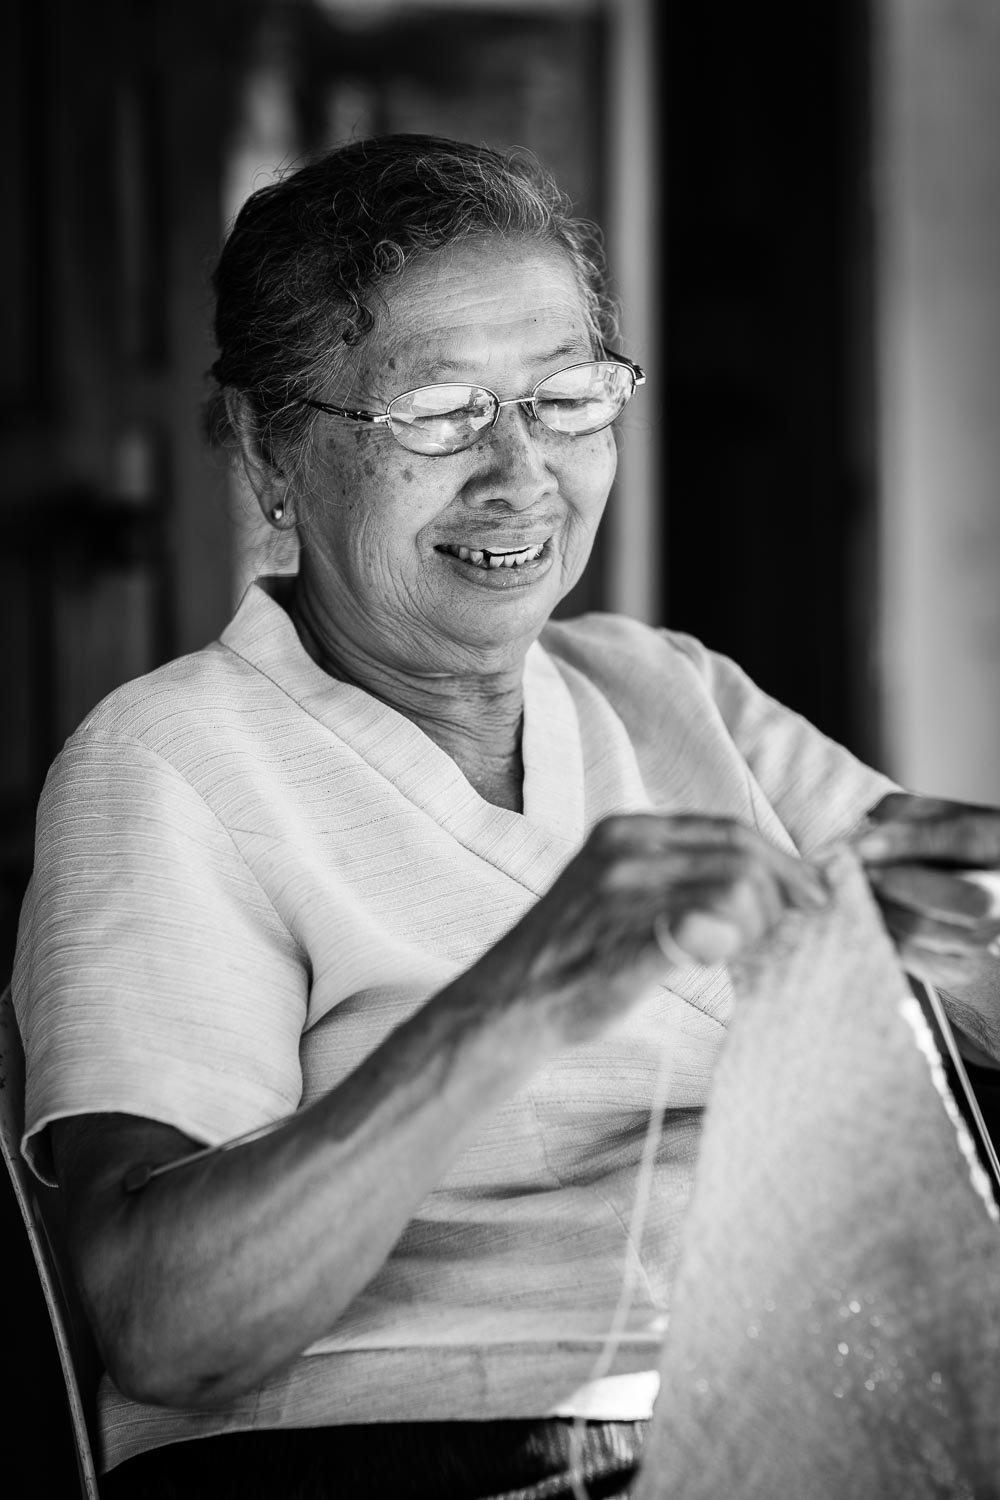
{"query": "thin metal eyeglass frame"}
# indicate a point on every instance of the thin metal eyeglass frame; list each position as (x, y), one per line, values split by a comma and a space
(384, 419)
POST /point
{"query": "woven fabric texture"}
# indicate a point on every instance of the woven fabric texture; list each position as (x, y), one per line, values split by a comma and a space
(835, 1327)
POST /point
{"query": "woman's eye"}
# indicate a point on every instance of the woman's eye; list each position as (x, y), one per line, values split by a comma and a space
(457, 413)
(564, 403)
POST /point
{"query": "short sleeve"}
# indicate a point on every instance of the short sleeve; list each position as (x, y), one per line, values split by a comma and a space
(153, 976)
(819, 790)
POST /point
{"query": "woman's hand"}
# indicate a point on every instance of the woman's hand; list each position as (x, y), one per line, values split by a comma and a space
(946, 923)
(646, 895)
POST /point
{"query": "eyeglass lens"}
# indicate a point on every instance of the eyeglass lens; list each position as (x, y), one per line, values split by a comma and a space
(441, 419)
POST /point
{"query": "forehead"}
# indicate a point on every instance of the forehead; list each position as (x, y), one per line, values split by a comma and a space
(481, 305)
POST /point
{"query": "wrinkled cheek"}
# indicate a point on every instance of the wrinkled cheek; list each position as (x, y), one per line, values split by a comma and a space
(587, 490)
(612, 440)
(595, 465)
(594, 470)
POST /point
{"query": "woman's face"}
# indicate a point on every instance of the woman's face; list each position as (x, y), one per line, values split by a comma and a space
(381, 526)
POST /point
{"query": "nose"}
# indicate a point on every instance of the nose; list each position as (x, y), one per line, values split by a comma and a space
(517, 469)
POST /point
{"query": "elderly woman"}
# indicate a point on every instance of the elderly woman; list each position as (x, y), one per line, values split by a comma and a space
(426, 883)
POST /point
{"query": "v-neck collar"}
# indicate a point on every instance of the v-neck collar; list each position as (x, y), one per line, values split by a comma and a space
(530, 846)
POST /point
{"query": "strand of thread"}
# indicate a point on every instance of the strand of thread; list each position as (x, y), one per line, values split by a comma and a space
(633, 1262)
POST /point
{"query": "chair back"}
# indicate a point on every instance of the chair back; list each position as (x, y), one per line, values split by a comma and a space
(41, 1210)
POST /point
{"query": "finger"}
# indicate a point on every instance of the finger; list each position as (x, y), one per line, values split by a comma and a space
(677, 957)
(960, 836)
(679, 865)
(654, 879)
(918, 929)
(662, 830)
(950, 971)
(697, 848)
(912, 807)
(659, 829)
(712, 923)
(709, 938)
(915, 807)
(935, 892)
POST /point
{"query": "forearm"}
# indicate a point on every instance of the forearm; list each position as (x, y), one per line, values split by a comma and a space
(214, 1276)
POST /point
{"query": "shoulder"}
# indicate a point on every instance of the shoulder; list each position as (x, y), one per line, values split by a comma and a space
(234, 683)
(221, 698)
(177, 741)
(600, 637)
(174, 696)
(160, 733)
(615, 651)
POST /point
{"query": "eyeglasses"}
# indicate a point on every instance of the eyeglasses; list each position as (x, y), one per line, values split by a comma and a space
(441, 419)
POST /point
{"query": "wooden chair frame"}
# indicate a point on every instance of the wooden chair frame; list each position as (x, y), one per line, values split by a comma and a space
(41, 1210)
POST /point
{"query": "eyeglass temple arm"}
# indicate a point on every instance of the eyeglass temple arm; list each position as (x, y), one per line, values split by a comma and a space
(375, 418)
(638, 373)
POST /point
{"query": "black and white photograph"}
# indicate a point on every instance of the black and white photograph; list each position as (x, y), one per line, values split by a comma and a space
(500, 810)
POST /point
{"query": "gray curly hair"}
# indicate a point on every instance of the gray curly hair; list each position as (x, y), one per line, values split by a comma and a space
(307, 256)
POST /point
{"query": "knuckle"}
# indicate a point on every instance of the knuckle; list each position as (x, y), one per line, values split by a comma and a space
(741, 836)
(894, 805)
(614, 876)
(980, 831)
(747, 884)
(744, 900)
(612, 834)
(742, 867)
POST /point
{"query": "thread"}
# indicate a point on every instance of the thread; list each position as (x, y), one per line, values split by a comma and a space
(633, 1263)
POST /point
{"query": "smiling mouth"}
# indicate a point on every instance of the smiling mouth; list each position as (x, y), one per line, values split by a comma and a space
(481, 558)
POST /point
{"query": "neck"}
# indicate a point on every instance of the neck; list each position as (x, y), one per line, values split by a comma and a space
(473, 716)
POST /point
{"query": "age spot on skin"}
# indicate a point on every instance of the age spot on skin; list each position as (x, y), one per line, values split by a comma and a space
(369, 467)
(407, 476)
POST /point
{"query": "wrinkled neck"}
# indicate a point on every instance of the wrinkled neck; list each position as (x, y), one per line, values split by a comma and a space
(474, 717)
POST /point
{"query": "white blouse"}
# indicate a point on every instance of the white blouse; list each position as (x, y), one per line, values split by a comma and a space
(248, 873)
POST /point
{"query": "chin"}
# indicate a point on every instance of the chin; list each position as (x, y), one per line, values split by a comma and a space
(509, 637)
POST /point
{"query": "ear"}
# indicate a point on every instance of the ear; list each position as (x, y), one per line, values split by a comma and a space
(266, 480)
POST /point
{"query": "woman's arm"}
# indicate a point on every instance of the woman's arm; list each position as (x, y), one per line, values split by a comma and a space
(214, 1276)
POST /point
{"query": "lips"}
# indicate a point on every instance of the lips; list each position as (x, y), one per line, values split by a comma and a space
(481, 557)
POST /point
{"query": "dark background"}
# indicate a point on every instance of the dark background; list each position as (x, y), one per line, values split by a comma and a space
(771, 534)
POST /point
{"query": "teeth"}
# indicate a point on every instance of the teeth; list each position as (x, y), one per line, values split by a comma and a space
(482, 558)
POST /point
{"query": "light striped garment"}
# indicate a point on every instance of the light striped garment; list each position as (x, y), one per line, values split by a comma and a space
(248, 873)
